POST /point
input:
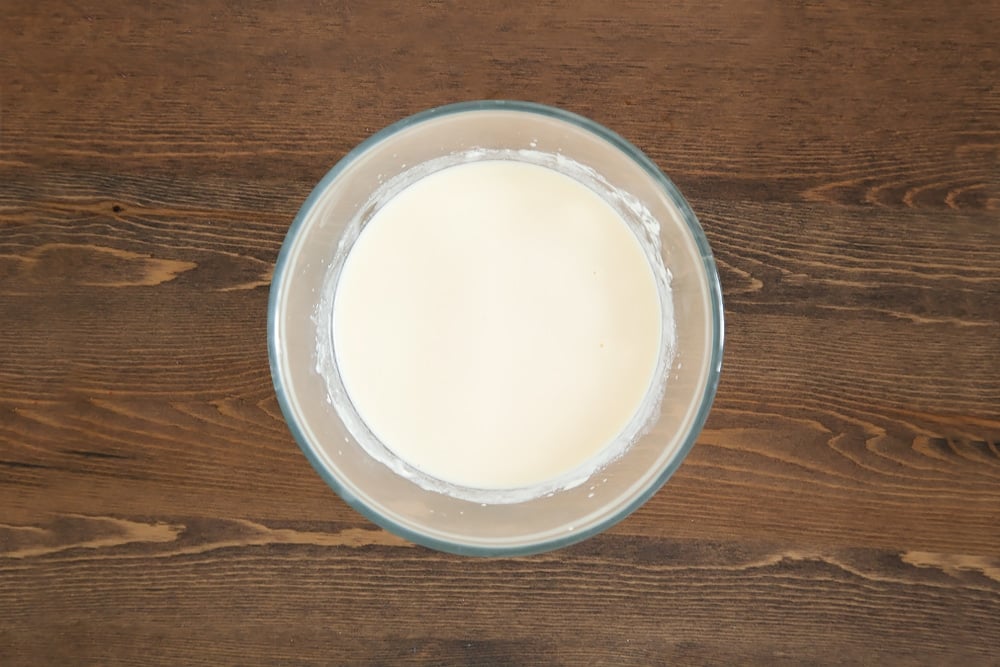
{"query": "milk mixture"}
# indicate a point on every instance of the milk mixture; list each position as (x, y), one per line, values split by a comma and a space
(497, 324)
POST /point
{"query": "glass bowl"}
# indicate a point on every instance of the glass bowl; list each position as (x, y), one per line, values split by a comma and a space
(332, 216)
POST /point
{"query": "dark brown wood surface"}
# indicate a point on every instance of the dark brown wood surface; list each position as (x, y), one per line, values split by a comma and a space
(842, 505)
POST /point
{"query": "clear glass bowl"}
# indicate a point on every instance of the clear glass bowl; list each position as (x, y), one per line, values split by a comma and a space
(442, 521)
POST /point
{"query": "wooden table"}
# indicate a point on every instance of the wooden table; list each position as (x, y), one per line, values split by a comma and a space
(842, 505)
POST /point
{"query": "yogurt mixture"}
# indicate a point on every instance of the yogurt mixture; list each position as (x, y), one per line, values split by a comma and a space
(497, 324)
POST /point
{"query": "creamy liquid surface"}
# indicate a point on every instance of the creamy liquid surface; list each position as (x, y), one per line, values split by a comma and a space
(497, 325)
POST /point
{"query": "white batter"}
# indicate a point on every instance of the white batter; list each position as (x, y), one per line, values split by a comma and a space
(497, 324)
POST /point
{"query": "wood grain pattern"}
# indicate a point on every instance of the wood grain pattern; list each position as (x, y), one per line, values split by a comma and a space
(842, 505)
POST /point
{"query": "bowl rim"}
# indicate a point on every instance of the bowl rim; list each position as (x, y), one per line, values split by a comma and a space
(710, 273)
